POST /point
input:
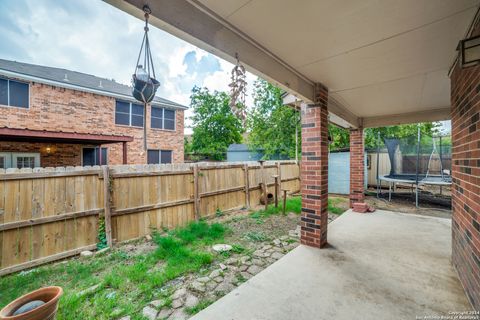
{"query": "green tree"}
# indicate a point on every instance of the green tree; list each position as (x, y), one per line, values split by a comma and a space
(340, 137)
(214, 125)
(271, 124)
(399, 131)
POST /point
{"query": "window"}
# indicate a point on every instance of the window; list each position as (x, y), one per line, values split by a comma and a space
(93, 157)
(159, 156)
(14, 93)
(128, 113)
(163, 118)
(23, 160)
(3, 163)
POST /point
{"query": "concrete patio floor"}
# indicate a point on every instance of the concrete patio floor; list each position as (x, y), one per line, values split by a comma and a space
(381, 265)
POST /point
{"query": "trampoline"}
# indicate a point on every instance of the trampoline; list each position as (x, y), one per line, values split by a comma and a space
(417, 161)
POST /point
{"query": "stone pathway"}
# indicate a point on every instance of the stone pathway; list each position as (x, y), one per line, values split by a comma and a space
(223, 276)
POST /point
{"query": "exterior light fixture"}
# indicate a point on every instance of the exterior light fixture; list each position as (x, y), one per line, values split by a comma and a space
(469, 51)
(48, 150)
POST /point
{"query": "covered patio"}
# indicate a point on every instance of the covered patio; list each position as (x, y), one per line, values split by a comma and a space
(381, 265)
(357, 64)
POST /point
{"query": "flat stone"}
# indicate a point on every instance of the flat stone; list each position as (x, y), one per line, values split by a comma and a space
(231, 261)
(253, 269)
(125, 318)
(218, 279)
(179, 293)
(164, 313)
(284, 238)
(244, 259)
(158, 303)
(243, 268)
(86, 253)
(191, 301)
(267, 247)
(225, 287)
(115, 313)
(259, 253)
(149, 313)
(271, 260)
(203, 279)
(148, 237)
(222, 266)
(177, 303)
(258, 262)
(198, 286)
(277, 242)
(215, 273)
(221, 247)
(246, 275)
(277, 255)
(179, 314)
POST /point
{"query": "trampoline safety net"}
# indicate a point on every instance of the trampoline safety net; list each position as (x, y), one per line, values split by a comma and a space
(420, 158)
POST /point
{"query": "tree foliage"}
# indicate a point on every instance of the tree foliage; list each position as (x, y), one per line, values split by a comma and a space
(214, 125)
(272, 125)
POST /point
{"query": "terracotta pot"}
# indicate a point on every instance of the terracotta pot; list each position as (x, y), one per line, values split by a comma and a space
(47, 311)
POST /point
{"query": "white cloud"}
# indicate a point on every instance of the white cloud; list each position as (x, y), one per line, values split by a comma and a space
(96, 38)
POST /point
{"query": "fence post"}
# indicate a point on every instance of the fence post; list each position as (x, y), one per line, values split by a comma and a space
(279, 174)
(107, 190)
(196, 199)
(264, 184)
(247, 185)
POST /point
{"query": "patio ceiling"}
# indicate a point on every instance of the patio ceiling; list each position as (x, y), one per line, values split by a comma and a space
(378, 58)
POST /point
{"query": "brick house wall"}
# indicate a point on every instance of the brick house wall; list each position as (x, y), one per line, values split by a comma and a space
(465, 99)
(59, 109)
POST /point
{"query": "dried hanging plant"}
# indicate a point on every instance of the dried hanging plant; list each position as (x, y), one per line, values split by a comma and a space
(238, 91)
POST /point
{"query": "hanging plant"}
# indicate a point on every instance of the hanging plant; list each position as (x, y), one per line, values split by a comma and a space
(144, 83)
(143, 80)
(238, 91)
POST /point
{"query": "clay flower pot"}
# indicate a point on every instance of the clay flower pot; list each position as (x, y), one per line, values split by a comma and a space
(46, 311)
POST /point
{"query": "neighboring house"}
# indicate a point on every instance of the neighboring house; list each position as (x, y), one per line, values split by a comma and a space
(55, 117)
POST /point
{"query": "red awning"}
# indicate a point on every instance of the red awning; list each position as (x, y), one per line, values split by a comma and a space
(26, 135)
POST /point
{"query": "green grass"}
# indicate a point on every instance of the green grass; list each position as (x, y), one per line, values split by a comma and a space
(293, 204)
(199, 307)
(333, 205)
(127, 282)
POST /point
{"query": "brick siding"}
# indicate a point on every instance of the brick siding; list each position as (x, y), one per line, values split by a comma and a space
(465, 99)
(58, 109)
(357, 167)
(314, 170)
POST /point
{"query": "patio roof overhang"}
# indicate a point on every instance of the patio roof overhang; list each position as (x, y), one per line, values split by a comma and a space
(26, 135)
(380, 60)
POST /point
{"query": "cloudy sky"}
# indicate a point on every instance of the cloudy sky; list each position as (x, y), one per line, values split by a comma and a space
(96, 38)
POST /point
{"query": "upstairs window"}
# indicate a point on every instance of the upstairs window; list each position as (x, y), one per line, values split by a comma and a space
(14, 93)
(163, 118)
(159, 156)
(129, 114)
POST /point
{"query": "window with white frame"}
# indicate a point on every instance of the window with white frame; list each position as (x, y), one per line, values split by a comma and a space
(14, 93)
(129, 113)
(159, 156)
(162, 118)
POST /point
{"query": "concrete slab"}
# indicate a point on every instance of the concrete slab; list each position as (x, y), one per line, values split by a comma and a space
(381, 265)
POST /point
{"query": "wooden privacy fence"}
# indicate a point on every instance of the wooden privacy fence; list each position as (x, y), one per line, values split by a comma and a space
(52, 213)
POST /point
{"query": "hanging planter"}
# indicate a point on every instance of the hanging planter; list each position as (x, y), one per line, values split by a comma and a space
(143, 80)
(144, 83)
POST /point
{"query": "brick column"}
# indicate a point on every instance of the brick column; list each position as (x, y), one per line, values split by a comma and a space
(357, 167)
(465, 98)
(314, 170)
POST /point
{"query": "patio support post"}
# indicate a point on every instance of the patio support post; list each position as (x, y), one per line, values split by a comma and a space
(357, 167)
(314, 170)
(124, 150)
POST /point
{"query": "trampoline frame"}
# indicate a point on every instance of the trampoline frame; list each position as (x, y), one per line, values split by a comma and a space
(419, 180)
